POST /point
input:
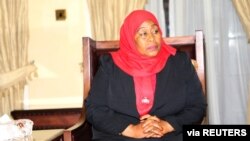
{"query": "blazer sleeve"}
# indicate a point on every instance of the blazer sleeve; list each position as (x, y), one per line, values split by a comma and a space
(98, 113)
(195, 106)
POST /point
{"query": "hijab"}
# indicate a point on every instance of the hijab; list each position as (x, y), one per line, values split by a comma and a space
(143, 69)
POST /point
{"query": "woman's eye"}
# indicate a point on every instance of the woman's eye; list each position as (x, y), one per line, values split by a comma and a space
(143, 34)
(156, 31)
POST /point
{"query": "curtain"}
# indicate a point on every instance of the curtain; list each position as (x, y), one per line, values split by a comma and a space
(157, 8)
(248, 106)
(227, 55)
(106, 16)
(243, 9)
(13, 54)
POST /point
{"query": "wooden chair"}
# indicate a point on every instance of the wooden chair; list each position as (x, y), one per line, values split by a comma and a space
(194, 45)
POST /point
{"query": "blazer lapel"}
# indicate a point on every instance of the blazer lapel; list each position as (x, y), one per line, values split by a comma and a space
(162, 81)
(129, 91)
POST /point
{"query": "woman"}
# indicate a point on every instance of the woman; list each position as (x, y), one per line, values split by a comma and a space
(146, 90)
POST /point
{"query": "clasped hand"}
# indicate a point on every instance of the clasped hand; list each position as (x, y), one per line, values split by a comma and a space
(149, 127)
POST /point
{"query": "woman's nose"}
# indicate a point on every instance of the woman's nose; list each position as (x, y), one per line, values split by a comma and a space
(151, 37)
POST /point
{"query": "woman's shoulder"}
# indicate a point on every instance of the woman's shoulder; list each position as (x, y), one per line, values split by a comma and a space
(106, 63)
(180, 60)
(180, 56)
(106, 58)
(180, 63)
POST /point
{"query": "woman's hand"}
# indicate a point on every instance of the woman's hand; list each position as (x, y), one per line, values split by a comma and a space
(150, 126)
(156, 125)
(136, 131)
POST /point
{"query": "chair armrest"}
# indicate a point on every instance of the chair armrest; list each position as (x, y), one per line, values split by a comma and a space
(78, 132)
(49, 118)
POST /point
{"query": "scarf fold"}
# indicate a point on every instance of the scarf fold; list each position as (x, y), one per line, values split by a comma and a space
(143, 69)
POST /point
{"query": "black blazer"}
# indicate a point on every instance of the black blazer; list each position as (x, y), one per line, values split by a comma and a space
(111, 104)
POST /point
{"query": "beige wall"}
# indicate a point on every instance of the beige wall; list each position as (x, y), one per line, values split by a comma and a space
(56, 48)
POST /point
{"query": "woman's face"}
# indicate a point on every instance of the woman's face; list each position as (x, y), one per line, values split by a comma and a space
(148, 39)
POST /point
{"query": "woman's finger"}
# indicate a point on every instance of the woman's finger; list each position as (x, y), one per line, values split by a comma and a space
(144, 117)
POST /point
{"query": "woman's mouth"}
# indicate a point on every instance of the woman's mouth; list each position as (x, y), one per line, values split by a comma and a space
(152, 48)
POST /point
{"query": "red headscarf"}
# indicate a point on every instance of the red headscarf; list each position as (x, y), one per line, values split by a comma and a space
(143, 69)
